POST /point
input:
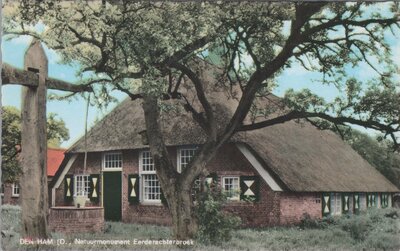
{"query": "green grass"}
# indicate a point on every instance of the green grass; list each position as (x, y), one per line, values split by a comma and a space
(370, 230)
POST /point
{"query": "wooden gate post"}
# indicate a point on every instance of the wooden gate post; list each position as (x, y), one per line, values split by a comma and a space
(33, 182)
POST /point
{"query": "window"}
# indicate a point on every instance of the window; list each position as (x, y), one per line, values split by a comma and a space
(150, 186)
(231, 187)
(15, 190)
(336, 204)
(147, 162)
(185, 155)
(317, 198)
(2, 190)
(81, 185)
(363, 201)
(112, 161)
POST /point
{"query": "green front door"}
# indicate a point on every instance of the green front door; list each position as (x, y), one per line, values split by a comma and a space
(112, 195)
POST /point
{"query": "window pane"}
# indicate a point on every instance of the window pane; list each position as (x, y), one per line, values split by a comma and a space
(231, 187)
(113, 160)
(147, 161)
(186, 155)
(81, 185)
(151, 187)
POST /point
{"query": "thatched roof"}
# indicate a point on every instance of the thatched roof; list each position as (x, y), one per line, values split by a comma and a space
(303, 157)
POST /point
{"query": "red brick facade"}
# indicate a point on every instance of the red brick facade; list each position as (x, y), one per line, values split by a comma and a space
(272, 208)
(293, 207)
(7, 197)
(73, 220)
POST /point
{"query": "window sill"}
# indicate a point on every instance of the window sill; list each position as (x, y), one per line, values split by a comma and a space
(14, 196)
(151, 203)
(112, 169)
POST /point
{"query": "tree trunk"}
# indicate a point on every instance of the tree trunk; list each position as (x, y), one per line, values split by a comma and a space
(33, 181)
(176, 192)
(184, 224)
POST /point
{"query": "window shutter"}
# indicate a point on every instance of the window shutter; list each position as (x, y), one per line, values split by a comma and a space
(369, 196)
(211, 179)
(356, 203)
(163, 199)
(326, 204)
(249, 188)
(133, 188)
(345, 203)
(69, 188)
(94, 187)
(373, 200)
(384, 200)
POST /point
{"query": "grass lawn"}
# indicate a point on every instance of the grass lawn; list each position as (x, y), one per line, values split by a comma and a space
(370, 230)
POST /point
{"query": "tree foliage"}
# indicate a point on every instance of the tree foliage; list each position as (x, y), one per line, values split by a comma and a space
(11, 140)
(377, 153)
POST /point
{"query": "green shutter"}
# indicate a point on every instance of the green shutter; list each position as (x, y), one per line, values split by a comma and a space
(211, 180)
(345, 202)
(133, 188)
(369, 200)
(356, 203)
(69, 188)
(384, 200)
(163, 199)
(249, 188)
(94, 187)
(326, 204)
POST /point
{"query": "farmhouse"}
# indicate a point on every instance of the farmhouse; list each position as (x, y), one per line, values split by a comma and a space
(10, 190)
(272, 176)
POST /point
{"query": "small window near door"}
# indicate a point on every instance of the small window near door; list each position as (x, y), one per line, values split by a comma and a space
(15, 190)
(231, 188)
(81, 185)
(112, 161)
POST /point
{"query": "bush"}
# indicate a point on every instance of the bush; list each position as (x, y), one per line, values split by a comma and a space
(311, 223)
(357, 226)
(215, 226)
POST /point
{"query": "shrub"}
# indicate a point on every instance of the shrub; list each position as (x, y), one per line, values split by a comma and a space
(311, 223)
(215, 226)
(357, 226)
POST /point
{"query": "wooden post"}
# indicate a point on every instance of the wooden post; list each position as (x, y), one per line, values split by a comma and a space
(33, 182)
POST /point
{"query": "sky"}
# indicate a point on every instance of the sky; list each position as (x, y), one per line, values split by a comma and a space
(73, 112)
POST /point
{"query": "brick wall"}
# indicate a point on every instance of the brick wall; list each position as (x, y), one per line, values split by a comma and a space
(293, 206)
(73, 220)
(7, 197)
(229, 162)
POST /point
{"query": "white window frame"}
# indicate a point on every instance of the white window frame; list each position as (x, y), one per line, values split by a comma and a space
(336, 204)
(85, 183)
(108, 169)
(231, 198)
(13, 188)
(179, 155)
(142, 174)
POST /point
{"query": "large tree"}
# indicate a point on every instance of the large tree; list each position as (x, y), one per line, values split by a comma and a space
(11, 139)
(147, 49)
